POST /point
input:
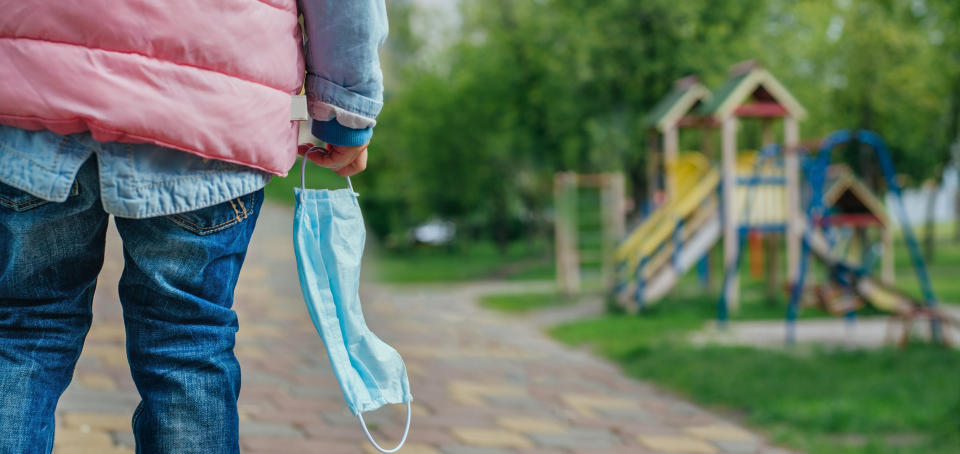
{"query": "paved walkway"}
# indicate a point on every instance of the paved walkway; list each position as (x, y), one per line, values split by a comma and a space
(482, 383)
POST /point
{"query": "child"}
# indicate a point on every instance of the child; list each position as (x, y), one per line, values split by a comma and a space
(171, 116)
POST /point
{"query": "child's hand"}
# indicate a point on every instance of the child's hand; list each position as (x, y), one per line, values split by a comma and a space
(345, 161)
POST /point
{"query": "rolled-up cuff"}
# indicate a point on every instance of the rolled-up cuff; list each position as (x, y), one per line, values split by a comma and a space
(334, 133)
(322, 111)
(333, 94)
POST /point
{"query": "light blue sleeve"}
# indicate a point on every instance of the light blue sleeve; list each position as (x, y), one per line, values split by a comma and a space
(343, 64)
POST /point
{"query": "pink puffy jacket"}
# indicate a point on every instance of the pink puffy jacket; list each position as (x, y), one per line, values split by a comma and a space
(210, 77)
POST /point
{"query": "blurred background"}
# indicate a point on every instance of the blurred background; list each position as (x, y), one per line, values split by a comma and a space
(489, 104)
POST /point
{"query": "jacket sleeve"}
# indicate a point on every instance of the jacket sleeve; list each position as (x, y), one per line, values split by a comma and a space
(344, 84)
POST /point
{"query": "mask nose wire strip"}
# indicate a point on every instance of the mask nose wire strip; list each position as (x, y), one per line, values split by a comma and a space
(406, 431)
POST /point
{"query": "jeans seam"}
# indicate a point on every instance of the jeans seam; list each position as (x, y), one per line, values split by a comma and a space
(195, 228)
(135, 422)
(22, 206)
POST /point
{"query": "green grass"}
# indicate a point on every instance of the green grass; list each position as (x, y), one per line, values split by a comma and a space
(524, 302)
(823, 402)
(820, 401)
(465, 262)
(943, 270)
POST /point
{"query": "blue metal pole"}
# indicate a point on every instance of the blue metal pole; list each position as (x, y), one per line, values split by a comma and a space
(729, 277)
(893, 186)
(640, 285)
(793, 309)
(703, 270)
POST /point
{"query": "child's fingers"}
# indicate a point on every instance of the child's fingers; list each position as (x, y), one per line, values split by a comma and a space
(356, 166)
(334, 157)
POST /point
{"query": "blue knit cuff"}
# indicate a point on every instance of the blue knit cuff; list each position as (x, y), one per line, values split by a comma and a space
(334, 133)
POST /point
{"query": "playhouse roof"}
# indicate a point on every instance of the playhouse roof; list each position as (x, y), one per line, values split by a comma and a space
(748, 80)
(686, 95)
(848, 195)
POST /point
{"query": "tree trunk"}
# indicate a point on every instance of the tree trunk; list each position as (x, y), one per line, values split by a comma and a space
(956, 217)
(930, 224)
(500, 221)
(953, 148)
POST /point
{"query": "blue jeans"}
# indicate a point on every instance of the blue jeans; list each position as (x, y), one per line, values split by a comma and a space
(176, 291)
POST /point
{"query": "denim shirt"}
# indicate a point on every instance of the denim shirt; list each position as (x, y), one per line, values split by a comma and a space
(344, 87)
(136, 180)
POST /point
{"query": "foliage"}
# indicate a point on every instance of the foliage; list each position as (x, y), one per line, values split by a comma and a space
(473, 132)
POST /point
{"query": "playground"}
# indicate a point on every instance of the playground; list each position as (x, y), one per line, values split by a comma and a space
(827, 219)
(762, 280)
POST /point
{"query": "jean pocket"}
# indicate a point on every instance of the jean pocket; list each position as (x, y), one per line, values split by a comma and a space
(217, 218)
(20, 201)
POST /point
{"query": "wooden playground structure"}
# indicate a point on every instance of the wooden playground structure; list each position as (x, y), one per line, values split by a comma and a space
(612, 206)
(754, 195)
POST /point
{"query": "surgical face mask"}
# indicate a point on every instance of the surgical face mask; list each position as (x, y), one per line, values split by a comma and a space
(328, 238)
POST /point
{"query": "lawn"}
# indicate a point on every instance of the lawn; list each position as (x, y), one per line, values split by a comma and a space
(524, 302)
(819, 400)
(456, 263)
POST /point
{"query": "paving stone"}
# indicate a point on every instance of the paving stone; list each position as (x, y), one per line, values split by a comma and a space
(737, 446)
(269, 429)
(89, 400)
(589, 405)
(431, 435)
(81, 437)
(123, 439)
(577, 439)
(297, 445)
(531, 425)
(81, 449)
(720, 432)
(328, 432)
(340, 417)
(97, 421)
(473, 393)
(461, 449)
(514, 403)
(96, 381)
(673, 444)
(408, 448)
(491, 437)
(777, 451)
(546, 451)
(295, 417)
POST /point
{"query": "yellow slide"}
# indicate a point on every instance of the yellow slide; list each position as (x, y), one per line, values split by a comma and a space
(694, 204)
(695, 181)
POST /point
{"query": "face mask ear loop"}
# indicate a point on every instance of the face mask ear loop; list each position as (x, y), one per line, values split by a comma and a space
(355, 195)
(303, 168)
(406, 430)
